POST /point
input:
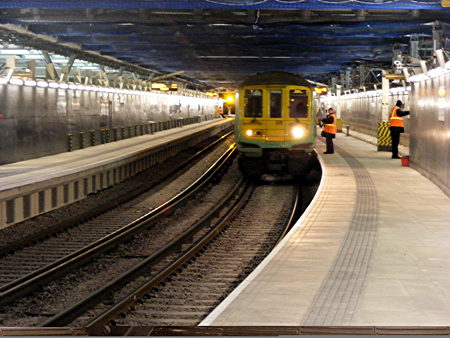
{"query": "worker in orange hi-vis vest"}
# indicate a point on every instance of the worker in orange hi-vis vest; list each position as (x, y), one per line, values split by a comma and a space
(396, 126)
(329, 130)
(220, 112)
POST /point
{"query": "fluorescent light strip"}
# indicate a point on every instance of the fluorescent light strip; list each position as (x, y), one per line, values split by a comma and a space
(56, 85)
(17, 82)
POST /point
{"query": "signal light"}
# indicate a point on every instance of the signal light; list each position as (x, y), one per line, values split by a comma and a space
(230, 98)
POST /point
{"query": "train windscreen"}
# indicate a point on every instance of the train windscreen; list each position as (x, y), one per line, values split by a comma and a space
(253, 103)
(298, 103)
(275, 104)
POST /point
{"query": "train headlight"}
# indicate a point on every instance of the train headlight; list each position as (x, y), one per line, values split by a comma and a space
(253, 132)
(298, 132)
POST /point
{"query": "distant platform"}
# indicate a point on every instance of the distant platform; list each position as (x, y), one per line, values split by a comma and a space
(39, 185)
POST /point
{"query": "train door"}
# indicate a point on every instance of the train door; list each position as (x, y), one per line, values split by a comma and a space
(274, 122)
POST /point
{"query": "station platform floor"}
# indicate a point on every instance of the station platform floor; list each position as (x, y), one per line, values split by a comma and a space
(40, 169)
(36, 186)
(372, 249)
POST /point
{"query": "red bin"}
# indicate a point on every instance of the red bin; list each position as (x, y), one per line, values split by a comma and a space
(405, 161)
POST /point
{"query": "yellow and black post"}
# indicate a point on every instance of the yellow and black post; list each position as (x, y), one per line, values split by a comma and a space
(384, 141)
(69, 142)
(81, 140)
(339, 124)
(102, 136)
(92, 137)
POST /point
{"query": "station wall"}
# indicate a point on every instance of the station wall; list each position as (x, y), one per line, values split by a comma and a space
(362, 111)
(430, 130)
(35, 121)
(427, 129)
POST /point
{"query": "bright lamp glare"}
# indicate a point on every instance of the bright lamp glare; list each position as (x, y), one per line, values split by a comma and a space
(18, 82)
(42, 84)
(249, 132)
(298, 132)
(30, 83)
(230, 98)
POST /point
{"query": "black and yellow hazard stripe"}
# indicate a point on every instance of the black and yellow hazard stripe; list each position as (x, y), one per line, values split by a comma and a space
(384, 141)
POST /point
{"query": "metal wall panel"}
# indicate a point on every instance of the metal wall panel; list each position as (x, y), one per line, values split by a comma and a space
(430, 130)
(36, 120)
(427, 129)
(362, 111)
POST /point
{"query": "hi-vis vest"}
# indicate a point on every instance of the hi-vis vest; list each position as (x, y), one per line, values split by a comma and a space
(331, 127)
(394, 120)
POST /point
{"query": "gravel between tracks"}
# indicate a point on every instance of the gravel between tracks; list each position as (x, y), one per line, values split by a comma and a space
(149, 177)
(70, 289)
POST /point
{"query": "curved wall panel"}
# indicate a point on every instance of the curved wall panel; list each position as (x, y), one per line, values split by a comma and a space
(35, 121)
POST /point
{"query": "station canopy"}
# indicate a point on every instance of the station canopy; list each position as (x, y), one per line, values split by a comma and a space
(221, 42)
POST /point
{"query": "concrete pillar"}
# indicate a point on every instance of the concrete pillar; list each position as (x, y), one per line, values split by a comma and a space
(385, 99)
(34, 204)
(338, 101)
(2, 214)
(18, 209)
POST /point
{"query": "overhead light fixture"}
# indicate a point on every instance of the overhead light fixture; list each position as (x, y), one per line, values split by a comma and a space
(42, 84)
(418, 77)
(14, 51)
(14, 81)
(30, 83)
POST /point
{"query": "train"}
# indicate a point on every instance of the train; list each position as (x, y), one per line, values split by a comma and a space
(275, 124)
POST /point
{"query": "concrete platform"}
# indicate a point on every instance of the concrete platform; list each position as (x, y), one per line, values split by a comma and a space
(36, 186)
(372, 249)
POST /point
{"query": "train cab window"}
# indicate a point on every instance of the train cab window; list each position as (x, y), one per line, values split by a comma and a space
(275, 103)
(253, 100)
(298, 103)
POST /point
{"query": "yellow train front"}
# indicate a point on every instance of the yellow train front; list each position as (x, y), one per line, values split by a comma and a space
(275, 124)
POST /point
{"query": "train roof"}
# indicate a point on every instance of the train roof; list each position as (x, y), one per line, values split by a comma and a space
(283, 78)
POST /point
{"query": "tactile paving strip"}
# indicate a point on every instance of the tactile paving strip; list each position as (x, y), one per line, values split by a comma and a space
(337, 298)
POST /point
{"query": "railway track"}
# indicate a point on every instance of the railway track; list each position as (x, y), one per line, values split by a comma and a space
(185, 291)
(129, 249)
(40, 259)
(149, 258)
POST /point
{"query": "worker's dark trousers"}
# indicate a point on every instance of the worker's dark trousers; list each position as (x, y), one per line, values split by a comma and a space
(395, 136)
(329, 142)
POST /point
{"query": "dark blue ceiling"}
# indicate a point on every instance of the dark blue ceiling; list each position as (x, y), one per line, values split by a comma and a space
(221, 42)
(224, 4)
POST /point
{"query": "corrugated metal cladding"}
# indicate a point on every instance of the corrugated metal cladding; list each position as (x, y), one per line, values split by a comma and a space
(36, 120)
(364, 113)
(430, 130)
(427, 129)
(223, 4)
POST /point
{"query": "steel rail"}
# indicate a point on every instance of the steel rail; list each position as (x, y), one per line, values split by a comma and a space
(70, 314)
(39, 277)
(82, 217)
(296, 210)
(96, 325)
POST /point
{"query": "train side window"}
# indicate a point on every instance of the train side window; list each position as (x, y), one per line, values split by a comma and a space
(298, 103)
(253, 103)
(275, 103)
